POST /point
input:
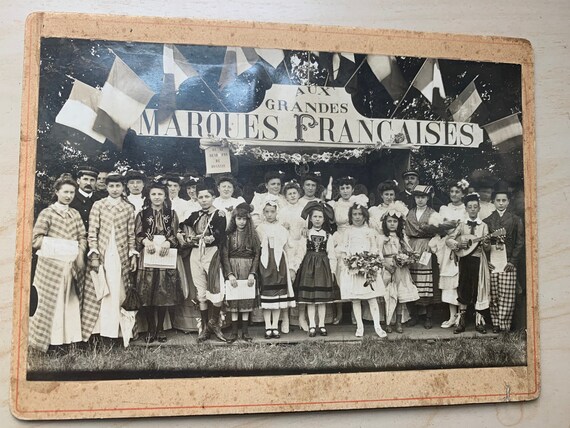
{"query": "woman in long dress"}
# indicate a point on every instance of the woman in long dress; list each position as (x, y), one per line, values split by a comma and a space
(113, 257)
(58, 279)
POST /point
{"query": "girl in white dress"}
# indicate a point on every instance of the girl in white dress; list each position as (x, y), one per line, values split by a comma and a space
(387, 191)
(359, 237)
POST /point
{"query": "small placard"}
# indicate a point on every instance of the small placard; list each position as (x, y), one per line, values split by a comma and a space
(218, 160)
(241, 292)
(425, 259)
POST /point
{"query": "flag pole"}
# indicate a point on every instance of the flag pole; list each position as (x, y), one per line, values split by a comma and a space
(408, 90)
(71, 77)
(355, 71)
(213, 93)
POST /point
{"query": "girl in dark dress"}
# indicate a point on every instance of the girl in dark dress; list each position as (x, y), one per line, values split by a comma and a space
(240, 260)
(155, 228)
(315, 283)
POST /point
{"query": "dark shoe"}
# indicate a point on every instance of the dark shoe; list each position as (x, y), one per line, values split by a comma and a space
(388, 328)
(232, 338)
(323, 331)
(312, 332)
(268, 334)
(275, 334)
(150, 337)
(399, 328)
(496, 329)
(412, 321)
(161, 336)
(215, 329)
(427, 323)
(246, 337)
(460, 328)
(204, 334)
(481, 329)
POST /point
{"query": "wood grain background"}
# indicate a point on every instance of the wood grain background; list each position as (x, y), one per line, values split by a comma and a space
(546, 26)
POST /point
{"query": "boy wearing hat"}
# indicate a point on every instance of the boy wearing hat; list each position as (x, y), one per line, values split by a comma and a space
(85, 195)
(505, 255)
(205, 231)
(474, 280)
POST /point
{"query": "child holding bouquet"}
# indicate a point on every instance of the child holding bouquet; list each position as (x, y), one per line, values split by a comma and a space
(400, 289)
(360, 278)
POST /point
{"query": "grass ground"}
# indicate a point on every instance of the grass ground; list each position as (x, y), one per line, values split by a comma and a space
(107, 359)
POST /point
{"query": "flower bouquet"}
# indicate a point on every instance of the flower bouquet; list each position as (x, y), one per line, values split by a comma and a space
(366, 264)
(406, 258)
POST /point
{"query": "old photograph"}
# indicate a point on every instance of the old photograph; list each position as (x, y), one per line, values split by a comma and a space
(220, 210)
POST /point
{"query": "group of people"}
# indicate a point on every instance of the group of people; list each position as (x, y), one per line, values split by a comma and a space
(298, 255)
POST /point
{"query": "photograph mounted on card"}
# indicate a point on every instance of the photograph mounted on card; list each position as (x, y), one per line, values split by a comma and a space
(378, 185)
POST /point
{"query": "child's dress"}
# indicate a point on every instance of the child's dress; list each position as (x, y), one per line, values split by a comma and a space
(399, 285)
(240, 260)
(276, 290)
(314, 283)
(157, 287)
(357, 239)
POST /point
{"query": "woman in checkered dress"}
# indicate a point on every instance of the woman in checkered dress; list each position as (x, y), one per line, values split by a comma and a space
(57, 318)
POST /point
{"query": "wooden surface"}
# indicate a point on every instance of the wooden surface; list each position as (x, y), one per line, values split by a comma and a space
(547, 29)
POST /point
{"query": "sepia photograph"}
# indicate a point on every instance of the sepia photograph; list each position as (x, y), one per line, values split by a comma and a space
(230, 211)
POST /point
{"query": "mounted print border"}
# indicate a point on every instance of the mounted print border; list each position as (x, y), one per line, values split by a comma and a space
(326, 143)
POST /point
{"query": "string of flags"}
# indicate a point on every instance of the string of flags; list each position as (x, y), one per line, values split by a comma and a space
(108, 113)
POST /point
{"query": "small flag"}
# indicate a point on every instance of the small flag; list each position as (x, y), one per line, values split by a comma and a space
(80, 110)
(386, 70)
(236, 62)
(175, 63)
(505, 133)
(123, 99)
(463, 107)
(176, 71)
(428, 80)
(272, 56)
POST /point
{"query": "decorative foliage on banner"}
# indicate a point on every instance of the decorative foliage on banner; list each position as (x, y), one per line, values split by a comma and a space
(242, 149)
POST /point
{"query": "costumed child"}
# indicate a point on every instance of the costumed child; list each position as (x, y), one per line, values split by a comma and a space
(205, 232)
(400, 289)
(240, 261)
(448, 267)
(290, 218)
(474, 274)
(275, 282)
(341, 208)
(359, 238)
(387, 191)
(156, 227)
(112, 250)
(58, 281)
(315, 283)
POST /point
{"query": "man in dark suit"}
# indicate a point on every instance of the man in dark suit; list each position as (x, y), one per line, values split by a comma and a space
(412, 179)
(505, 254)
(85, 195)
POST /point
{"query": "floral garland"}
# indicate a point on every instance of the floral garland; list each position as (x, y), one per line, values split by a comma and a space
(241, 149)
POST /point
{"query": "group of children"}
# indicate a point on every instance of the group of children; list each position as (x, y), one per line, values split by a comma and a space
(290, 247)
